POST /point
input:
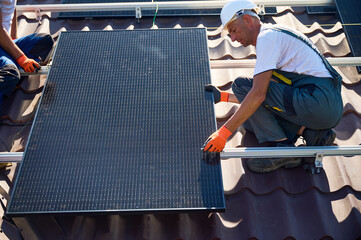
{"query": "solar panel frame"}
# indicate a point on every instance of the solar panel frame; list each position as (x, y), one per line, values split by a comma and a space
(321, 10)
(50, 95)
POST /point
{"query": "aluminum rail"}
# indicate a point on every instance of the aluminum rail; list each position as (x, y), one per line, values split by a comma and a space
(42, 71)
(252, 152)
(271, 152)
(11, 157)
(248, 63)
(220, 64)
(161, 5)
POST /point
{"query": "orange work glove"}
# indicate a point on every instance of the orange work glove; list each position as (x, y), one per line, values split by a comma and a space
(29, 65)
(217, 141)
(219, 96)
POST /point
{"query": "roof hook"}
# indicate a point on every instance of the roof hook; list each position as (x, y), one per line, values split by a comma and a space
(38, 15)
(315, 168)
(262, 9)
(138, 14)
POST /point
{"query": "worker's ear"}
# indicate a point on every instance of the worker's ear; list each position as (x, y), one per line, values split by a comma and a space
(248, 20)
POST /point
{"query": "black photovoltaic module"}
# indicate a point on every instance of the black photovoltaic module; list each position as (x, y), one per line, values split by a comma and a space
(120, 126)
(349, 11)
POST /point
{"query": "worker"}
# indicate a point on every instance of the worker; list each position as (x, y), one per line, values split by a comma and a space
(294, 91)
(26, 52)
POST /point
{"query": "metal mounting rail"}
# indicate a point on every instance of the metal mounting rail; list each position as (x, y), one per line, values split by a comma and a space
(161, 5)
(253, 152)
(248, 63)
(42, 71)
(11, 157)
(272, 152)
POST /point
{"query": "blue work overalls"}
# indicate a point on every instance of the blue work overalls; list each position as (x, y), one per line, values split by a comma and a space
(295, 100)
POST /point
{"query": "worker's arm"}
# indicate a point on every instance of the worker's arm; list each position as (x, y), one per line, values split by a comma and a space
(250, 104)
(7, 43)
(14, 26)
(252, 101)
(29, 65)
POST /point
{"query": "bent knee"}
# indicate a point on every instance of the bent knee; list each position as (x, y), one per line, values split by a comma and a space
(9, 78)
(46, 38)
(241, 87)
(43, 45)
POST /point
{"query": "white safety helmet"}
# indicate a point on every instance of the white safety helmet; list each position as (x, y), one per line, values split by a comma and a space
(232, 8)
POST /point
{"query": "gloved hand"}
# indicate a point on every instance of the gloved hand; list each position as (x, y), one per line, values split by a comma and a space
(217, 141)
(219, 96)
(29, 65)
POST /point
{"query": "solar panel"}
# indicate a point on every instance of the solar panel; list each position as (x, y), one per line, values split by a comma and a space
(120, 126)
(145, 13)
(321, 10)
(349, 11)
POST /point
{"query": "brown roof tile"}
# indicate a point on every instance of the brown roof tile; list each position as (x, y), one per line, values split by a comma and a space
(289, 203)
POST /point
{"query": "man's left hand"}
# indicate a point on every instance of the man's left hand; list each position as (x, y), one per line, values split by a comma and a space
(29, 65)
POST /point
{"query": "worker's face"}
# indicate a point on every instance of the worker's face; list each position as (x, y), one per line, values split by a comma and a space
(239, 30)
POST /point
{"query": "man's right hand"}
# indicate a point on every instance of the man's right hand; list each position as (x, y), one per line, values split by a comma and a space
(29, 65)
(219, 96)
(217, 141)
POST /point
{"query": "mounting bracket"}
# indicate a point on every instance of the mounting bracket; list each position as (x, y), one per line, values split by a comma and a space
(38, 14)
(138, 13)
(318, 161)
(262, 10)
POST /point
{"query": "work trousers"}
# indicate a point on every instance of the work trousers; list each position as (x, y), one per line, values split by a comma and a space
(35, 46)
(292, 101)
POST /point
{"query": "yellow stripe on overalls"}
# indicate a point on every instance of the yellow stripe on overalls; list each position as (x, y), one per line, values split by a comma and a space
(275, 108)
(281, 77)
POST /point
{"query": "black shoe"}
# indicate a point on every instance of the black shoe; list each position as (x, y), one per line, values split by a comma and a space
(265, 165)
(319, 137)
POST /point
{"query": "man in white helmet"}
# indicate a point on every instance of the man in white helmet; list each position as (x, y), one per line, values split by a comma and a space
(294, 91)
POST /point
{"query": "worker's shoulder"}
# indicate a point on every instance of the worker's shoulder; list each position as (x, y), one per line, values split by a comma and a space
(267, 33)
(267, 29)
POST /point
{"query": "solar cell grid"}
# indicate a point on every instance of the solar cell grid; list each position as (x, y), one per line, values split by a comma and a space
(120, 126)
(349, 12)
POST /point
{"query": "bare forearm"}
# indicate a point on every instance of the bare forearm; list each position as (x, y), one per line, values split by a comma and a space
(232, 98)
(8, 45)
(14, 26)
(252, 101)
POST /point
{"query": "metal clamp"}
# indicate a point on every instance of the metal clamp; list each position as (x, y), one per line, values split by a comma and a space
(262, 10)
(38, 14)
(315, 168)
(138, 12)
(318, 162)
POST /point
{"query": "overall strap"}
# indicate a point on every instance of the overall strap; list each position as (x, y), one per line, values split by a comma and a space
(332, 71)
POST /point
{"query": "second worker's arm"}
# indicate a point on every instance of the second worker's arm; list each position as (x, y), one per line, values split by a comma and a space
(29, 65)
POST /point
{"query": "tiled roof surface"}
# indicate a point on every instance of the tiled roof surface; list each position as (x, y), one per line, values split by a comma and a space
(292, 204)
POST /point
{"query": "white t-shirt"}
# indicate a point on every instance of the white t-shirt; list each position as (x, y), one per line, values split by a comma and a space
(7, 10)
(277, 50)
